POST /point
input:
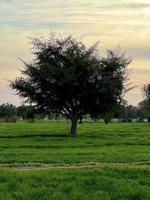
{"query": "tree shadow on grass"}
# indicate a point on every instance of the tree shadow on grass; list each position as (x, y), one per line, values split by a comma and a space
(34, 136)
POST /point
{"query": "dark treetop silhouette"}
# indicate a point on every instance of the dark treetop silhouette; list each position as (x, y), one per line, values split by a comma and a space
(68, 78)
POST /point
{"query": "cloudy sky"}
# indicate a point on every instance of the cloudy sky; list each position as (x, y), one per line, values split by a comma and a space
(112, 22)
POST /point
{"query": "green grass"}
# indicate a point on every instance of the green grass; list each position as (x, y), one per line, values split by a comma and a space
(49, 143)
(77, 184)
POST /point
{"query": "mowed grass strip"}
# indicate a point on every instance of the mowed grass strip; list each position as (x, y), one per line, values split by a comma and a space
(75, 184)
(37, 166)
(49, 142)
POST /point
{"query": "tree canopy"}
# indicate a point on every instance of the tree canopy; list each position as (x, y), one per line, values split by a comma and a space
(69, 78)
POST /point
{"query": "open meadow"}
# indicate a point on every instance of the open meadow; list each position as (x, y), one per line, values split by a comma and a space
(40, 161)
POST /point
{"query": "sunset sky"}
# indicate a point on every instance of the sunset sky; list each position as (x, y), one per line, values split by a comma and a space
(112, 22)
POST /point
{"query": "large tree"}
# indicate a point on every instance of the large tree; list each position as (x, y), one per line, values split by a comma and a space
(69, 78)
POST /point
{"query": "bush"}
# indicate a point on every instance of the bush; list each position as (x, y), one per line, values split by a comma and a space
(12, 119)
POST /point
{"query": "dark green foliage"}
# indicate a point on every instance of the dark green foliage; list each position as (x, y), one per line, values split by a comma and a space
(8, 112)
(68, 78)
(125, 112)
(26, 112)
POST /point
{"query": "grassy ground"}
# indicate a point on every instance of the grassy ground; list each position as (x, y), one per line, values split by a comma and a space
(76, 184)
(121, 153)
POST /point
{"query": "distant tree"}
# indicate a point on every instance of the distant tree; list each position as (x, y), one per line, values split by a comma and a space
(107, 116)
(21, 111)
(144, 106)
(125, 112)
(26, 112)
(68, 78)
(131, 112)
(146, 90)
(8, 112)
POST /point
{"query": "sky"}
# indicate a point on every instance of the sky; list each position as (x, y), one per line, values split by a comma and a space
(112, 22)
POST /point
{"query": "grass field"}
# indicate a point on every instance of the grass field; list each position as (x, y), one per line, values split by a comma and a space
(39, 161)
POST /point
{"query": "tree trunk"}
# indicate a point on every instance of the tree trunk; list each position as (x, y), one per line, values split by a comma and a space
(73, 131)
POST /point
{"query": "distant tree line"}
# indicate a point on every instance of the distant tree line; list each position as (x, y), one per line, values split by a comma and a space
(124, 113)
(11, 113)
(8, 113)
